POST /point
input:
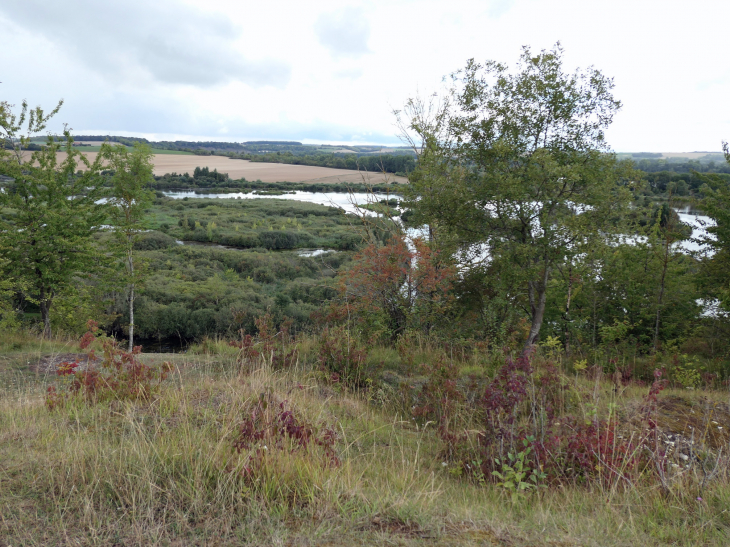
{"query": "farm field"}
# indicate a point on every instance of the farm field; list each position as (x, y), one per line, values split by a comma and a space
(265, 172)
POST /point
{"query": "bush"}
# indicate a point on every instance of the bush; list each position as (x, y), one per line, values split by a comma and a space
(277, 240)
(343, 359)
(154, 241)
(120, 376)
(275, 426)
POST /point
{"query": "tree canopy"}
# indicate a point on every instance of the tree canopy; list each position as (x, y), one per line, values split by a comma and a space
(514, 170)
(50, 209)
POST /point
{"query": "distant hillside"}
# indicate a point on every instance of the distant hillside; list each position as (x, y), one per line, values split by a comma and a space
(252, 147)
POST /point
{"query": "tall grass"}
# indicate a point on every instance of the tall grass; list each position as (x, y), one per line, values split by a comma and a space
(165, 471)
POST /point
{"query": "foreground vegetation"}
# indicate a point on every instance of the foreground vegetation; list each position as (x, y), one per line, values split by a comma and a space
(226, 450)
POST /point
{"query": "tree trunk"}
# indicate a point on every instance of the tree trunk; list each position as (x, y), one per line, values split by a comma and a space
(131, 298)
(567, 312)
(131, 317)
(538, 312)
(45, 305)
(538, 298)
(45, 301)
(660, 298)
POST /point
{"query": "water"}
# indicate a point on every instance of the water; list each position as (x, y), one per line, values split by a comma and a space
(306, 253)
(309, 253)
(699, 224)
(348, 202)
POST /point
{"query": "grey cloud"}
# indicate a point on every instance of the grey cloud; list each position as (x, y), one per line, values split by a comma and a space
(344, 32)
(171, 42)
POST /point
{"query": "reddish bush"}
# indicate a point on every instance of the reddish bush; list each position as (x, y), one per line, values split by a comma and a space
(577, 450)
(276, 426)
(392, 288)
(120, 375)
(523, 405)
(277, 348)
(342, 359)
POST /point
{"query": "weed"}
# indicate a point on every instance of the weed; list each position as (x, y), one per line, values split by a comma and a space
(272, 425)
(343, 359)
(516, 475)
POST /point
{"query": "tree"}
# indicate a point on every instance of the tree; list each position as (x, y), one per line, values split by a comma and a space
(128, 200)
(515, 171)
(715, 271)
(391, 288)
(49, 209)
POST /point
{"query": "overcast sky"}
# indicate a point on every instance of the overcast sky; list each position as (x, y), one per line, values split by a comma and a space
(333, 71)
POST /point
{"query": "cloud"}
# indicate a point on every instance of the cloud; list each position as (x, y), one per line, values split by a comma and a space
(349, 73)
(140, 40)
(497, 8)
(344, 32)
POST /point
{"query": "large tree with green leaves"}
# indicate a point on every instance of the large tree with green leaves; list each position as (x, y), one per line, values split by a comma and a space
(514, 170)
(715, 271)
(48, 209)
(129, 198)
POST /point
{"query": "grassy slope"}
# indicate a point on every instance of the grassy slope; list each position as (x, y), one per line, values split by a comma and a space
(164, 472)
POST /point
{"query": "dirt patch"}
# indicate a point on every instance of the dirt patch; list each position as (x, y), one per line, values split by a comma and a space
(705, 421)
(684, 424)
(48, 364)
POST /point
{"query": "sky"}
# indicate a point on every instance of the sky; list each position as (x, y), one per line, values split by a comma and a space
(334, 71)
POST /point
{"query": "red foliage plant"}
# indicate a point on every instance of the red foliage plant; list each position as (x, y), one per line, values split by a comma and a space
(392, 288)
(275, 426)
(121, 375)
(276, 347)
(519, 404)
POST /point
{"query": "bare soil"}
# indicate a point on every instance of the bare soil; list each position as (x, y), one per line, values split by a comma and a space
(48, 364)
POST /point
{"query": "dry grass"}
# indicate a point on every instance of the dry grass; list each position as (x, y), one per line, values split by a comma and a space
(164, 472)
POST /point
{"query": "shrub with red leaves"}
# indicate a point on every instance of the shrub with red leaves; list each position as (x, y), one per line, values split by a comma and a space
(276, 347)
(342, 359)
(120, 375)
(277, 426)
(577, 450)
(520, 405)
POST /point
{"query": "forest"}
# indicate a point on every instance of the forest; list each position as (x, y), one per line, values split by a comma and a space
(530, 339)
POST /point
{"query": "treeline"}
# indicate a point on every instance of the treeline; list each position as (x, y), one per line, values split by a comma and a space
(679, 177)
(252, 147)
(687, 183)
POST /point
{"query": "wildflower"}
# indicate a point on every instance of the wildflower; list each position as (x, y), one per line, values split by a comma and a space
(699, 498)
